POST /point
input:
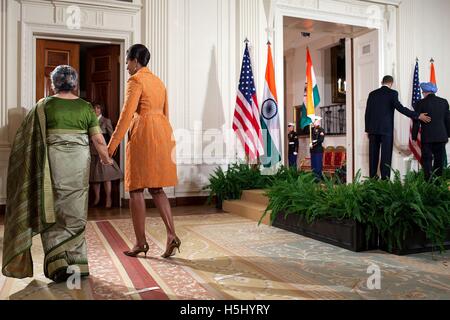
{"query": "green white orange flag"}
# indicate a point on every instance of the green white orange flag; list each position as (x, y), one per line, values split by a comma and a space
(433, 73)
(312, 96)
(270, 117)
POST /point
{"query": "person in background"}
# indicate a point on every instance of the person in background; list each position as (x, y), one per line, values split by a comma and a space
(293, 146)
(316, 149)
(100, 173)
(435, 134)
(379, 118)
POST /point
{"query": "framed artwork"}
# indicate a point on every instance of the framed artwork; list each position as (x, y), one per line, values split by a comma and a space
(338, 74)
(297, 120)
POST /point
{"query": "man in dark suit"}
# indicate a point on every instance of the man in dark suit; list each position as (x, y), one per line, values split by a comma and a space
(435, 134)
(381, 107)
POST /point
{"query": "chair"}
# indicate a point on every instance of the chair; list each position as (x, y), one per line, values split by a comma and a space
(340, 156)
(328, 159)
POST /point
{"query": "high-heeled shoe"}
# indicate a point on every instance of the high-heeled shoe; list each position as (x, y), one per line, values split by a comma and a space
(135, 253)
(175, 244)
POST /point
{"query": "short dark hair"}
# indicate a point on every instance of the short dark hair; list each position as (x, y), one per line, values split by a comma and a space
(100, 106)
(140, 53)
(388, 79)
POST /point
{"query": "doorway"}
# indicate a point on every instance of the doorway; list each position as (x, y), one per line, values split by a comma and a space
(347, 68)
(98, 66)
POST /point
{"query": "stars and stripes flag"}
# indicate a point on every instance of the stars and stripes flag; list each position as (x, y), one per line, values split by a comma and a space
(246, 122)
(416, 146)
(270, 117)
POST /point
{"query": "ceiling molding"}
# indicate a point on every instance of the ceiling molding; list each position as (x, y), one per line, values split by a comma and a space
(396, 3)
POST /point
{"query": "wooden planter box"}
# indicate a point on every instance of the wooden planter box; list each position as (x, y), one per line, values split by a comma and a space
(415, 242)
(347, 234)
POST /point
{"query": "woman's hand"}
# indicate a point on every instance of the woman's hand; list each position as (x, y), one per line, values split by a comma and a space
(100, 145)
(106, 162)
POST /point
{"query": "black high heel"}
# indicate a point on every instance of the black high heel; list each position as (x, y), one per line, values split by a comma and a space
(175, 244)
(136, 252)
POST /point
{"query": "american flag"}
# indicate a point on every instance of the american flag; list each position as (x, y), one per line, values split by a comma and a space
(416, 146)
(246, 122)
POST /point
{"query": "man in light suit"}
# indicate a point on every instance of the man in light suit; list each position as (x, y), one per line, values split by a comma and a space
(381, 107)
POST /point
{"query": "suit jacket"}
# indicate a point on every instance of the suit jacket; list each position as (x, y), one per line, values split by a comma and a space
(293, 143)
(106, 126)
(318, 137)
(380, 110)
(438, 130)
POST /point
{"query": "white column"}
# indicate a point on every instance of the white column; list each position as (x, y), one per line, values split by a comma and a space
(3, 106)
(157, 36)
(252, 25)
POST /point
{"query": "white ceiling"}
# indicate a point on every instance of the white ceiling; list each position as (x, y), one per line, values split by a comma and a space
(319, 30)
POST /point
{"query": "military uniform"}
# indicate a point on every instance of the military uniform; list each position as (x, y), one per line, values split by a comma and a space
(318, 137)
(293, 149)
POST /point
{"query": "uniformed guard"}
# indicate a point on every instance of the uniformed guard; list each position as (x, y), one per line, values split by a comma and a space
(293, 145)
(316, 147)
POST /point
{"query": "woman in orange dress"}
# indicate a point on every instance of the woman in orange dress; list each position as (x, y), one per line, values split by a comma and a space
(150, 151)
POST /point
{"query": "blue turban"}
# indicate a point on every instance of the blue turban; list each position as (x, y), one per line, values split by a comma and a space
(429, 87)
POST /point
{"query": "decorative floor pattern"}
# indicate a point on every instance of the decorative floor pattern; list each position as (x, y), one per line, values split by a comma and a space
(228, 257)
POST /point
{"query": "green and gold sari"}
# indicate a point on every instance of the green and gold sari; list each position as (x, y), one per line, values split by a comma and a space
(47, 188)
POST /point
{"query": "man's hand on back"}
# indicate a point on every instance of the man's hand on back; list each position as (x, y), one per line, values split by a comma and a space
(424, 118)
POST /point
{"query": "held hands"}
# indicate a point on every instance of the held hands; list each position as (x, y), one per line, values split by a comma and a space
(424, 118)
(106, 161)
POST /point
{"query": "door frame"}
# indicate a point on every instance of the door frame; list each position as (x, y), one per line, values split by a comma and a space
(121, 39)
(348, 13)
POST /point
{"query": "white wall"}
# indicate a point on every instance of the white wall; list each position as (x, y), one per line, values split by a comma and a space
(197, 49)
(423, 33)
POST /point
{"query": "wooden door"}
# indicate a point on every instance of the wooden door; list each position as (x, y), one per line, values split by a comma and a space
(103, 86)
(102, 79)
(49, 55)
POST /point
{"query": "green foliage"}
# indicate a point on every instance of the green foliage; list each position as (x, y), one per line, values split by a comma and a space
(446, 175)
(229, 184)
(408, 204)
(392, 208)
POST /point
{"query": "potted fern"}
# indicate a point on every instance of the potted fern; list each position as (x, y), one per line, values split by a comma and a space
(331, 212)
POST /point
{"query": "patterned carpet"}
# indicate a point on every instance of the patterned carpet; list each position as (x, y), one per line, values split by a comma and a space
(228, 257)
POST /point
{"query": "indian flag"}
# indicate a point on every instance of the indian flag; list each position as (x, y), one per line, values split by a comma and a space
(312, 97)
(270, 117)
(433, 73)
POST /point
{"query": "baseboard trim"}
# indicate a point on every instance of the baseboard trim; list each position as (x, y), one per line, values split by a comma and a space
(174, 202)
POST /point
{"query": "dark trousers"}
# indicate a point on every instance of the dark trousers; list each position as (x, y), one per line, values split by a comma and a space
(386, 144)
(432, 151)
(292, 161)
(317, 164)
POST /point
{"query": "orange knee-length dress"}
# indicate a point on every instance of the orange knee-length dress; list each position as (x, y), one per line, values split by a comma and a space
(150, 151)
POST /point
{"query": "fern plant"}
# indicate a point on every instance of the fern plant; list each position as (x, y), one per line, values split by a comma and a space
(393, 209)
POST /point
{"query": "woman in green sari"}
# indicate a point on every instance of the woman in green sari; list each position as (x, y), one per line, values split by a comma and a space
(48, 182)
